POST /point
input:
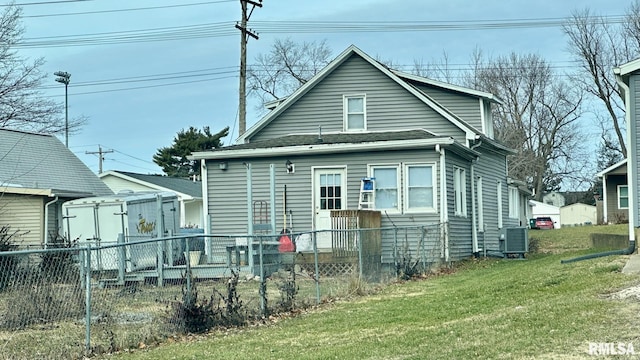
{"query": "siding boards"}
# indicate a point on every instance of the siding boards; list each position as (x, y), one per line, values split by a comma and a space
(389, 106)
(228, 200)
(466, 107)
(23, 213)
(493, 169)
(460, 240)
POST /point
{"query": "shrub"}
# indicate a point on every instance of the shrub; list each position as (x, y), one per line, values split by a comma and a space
(60, 266)
(8, 264)
(192, 315)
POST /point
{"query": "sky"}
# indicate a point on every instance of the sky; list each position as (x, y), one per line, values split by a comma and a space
(142, 70)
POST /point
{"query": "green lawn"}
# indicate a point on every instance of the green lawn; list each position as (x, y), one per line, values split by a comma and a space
(489, 308)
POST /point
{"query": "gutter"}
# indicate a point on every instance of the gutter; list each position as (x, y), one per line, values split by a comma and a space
(46, 220)
(631, 182)
(444, 216)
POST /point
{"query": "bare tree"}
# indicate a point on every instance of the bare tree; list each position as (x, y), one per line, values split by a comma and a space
(286, 67)
(22, 105)
(599, 46)
(538, 119)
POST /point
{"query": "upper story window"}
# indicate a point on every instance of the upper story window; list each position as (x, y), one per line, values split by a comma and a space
(355, 115)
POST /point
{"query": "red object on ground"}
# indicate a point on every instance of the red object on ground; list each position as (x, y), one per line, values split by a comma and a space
(286, 245)
(544, 223)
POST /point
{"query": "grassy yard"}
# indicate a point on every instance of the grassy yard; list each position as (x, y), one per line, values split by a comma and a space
(488, 308)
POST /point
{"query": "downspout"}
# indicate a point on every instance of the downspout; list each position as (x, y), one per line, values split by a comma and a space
(631, 183)
(204, 217)
(474, 221)
(444, 215)
(46, 220)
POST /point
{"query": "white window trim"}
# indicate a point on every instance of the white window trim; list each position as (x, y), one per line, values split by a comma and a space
(405, 189)
(397, 167)
(618, 197)
(460, 187)
(480, 205)
(345, 107)
(514, 203)
(499, 198)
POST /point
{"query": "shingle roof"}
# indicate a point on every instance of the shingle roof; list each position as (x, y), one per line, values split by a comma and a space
(189, 187)
(40, 161)
(332, 138)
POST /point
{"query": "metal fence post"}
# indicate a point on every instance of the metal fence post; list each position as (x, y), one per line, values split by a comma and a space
(360, 263)
(187, 257)
(121, 259)
(315, 255)
(87, 297)
(263, 282)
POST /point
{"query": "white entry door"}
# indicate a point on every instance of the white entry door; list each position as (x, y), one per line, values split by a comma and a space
(329, 189)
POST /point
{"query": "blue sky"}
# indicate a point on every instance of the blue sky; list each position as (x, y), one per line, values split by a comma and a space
(136, 114)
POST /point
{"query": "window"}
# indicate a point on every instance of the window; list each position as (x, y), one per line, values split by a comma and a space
(480, 205)
(499, 198)
(514, 202)
(354, 113)
(386, 180)
(419, 194)
(623, 197)
(460, 191)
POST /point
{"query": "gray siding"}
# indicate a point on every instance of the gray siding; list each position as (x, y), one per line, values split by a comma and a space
(228, 200)
(466, 107)
(23, 213)
(491, 166)
(615, 215)
(388, 105)
(460, 238)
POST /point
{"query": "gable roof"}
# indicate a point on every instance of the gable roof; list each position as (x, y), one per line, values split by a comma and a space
(612, 168)
(160, 182)
(352, 50)
(325, 143)
(41, 161)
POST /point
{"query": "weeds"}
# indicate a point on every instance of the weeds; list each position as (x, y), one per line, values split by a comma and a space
(198, 316)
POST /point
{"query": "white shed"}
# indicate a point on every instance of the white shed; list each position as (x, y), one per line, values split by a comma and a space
(578, 214)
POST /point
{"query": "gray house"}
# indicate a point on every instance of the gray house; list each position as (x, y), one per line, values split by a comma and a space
(37, 174)
(429, 145)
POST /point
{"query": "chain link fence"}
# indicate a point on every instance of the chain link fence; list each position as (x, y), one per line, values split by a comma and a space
(74, 300)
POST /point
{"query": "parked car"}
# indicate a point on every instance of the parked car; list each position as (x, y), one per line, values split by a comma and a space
(544, 222)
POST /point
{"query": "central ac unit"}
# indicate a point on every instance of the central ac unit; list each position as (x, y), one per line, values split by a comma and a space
(515, 240)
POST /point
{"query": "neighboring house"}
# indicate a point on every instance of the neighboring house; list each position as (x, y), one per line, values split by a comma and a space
(615, 193)
(189, 192)
(540, 209)
(428, 144)
(37, 174)
(578, 214)
(554, 198)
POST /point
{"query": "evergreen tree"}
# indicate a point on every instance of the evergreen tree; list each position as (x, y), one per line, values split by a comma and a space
(173, 159)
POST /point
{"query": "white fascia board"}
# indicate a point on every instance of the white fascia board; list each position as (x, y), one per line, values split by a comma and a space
(448, 86)
(627, 68)
(611, 168)
(145, 183)
(320, 149)
(27, 191)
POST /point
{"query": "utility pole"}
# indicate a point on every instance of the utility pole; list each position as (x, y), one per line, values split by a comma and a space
(100, 153)
(244, 38)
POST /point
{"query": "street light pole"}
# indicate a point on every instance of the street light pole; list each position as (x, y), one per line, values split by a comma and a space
(64, 77)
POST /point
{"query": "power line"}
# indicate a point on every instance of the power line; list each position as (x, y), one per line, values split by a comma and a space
(225, 29)
(128, 9)
(45, 3)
